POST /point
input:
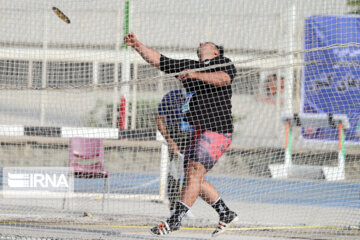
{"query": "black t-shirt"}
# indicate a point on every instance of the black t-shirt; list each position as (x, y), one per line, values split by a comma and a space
(209, 106)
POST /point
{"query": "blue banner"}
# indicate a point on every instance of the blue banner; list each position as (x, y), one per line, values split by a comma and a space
(331, 73)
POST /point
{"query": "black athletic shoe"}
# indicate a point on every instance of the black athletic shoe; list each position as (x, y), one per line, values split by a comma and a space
(224, 223)
(164, 228)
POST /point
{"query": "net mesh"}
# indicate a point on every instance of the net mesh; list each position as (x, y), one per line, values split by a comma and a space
(79, 81)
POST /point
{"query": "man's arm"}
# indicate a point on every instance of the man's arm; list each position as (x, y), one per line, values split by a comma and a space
(216, 78)
(148, 54)
(160, 122)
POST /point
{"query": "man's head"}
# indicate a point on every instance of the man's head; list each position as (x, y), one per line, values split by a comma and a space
(209, 50)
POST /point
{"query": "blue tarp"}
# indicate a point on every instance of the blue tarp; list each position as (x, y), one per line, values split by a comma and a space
(331, 74)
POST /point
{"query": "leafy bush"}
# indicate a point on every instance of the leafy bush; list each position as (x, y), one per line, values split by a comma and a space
(145, 114)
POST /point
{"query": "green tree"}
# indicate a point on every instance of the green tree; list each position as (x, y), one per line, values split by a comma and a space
(356, 6)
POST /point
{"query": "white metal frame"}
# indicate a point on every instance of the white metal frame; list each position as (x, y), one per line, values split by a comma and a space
(339, 121)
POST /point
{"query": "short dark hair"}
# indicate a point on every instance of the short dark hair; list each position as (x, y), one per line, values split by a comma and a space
(218, 47)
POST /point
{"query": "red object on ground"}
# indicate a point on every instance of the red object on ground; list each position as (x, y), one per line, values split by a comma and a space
(122, 113)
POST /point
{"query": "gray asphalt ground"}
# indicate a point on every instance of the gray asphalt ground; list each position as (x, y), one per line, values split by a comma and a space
(132, 219)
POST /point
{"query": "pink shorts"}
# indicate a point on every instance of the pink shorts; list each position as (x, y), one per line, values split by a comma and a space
(207, 147)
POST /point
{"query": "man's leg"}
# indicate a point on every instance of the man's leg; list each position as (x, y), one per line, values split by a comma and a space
(213, 145)
(194, 176)
(195, 185)
(173, 191)
(173, 183)
(208, 193)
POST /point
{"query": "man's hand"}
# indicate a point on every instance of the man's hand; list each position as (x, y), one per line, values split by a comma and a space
(215, 78)
(173, 146)
(148, 54)
(183, 75)
(131, 40)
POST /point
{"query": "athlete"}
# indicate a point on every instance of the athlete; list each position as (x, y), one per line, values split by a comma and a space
(176, 132)
(208, 107)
